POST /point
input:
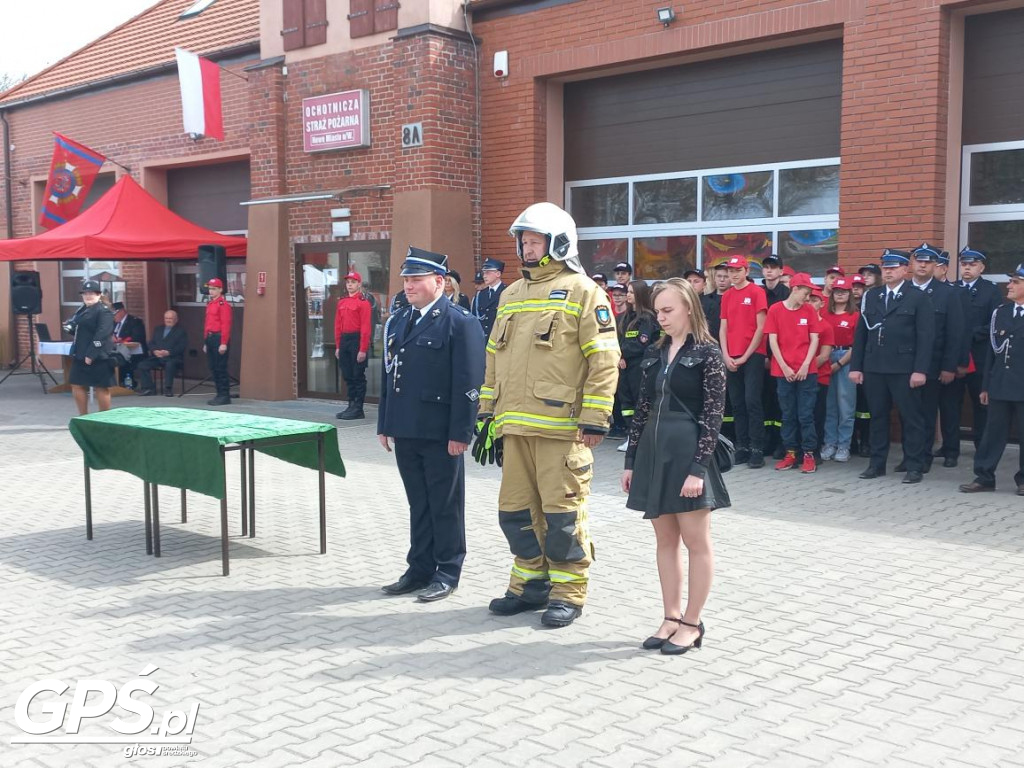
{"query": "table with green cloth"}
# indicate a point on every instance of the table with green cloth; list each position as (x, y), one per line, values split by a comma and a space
(186, 448)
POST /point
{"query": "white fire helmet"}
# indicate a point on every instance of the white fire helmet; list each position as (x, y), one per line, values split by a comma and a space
(557, 225)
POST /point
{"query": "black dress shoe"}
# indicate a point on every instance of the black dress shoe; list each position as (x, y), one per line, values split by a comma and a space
(949, 462)
(220, 400)
(671, 649)
(355, 413)
(1020, 490)
(436, 590)
(913, 476)
(560, 614)
(865, 451)
(510, 604)
(901, 467)
(404, 586)
(871, 473)
(741, 456)
(756, 460)
(976, 487)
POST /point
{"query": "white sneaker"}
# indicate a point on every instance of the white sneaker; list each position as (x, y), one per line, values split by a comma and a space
(622, 448)
(842, 454)
(828, 452)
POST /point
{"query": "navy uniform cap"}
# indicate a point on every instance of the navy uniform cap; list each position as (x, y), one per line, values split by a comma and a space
(91, 286)
(1017, 274)
(970, 254)
(689, 272)
(870, 268)
(893, 258)
(493, 264)
(421, 262)
(478, 277)
(925, 252)
(943, 258)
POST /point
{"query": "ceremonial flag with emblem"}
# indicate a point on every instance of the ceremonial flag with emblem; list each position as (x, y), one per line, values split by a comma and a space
(199, 80)
(72, 171)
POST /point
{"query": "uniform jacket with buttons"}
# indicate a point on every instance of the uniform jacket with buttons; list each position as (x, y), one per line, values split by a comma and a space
(952, 337)
(552, 362)
(980, 302)
(485, 306)
(431, 391)
(94, 326)
(1004, 369)
(894, 339)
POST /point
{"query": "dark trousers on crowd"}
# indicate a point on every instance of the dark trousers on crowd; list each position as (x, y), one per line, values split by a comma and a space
(629, 390)
(861, 424)
(170, 366)
(820, 407)
(951, 398)
(435, 484)
(993, 442)
(745, 385)
(352, 371)
(218, 364)
(882, 391)
(972, 384)
(772, 414)
(933, 395)
(797, 400)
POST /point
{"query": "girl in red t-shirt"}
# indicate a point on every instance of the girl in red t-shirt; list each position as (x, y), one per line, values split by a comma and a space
(841, 404)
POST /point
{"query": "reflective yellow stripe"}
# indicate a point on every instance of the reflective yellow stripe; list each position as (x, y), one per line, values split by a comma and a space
(491, 346)
(599, 345)
(632, 334)
(861, 415)
(535, 420)
(486, 391)
(564, 577)
(598, 399)
(628, 413)
(541, 305)
(728, 419)
(526, 574)
(600, 404)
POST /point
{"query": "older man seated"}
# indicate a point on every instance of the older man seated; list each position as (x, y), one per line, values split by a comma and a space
(166, 351)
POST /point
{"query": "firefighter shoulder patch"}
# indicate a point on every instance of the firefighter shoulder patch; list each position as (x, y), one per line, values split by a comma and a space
(558, 294)
(604, 315)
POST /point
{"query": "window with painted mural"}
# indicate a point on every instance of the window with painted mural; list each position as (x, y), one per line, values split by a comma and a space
(721, 246)
(665, 201)
(659, 258)
(731, 196)
(810, 250)
(602, 255)
(603, 205)
(809, 191)
(997, 178)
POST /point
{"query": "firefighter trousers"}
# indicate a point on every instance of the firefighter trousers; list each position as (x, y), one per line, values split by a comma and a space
(542, 511)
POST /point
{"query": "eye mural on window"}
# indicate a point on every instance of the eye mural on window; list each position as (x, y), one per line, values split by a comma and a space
(738, 196)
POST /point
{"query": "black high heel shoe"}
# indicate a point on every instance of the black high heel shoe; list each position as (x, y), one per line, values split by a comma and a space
(653, 643)
(671, 649)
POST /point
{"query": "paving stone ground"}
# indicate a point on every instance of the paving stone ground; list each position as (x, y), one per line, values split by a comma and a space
(852, 623)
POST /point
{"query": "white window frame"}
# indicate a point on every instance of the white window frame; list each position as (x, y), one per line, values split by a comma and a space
(982, 213)
(773, 224)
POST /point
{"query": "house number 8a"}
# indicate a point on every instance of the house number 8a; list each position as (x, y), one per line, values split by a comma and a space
(412, 135)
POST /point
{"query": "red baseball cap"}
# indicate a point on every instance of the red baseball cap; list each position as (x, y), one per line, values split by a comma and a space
(844, 283)
(737, 262)
(354, 276)
(215, 282)
(800, 280)
(817, 292)
(788, 270)
(856, 280)
(837, 269)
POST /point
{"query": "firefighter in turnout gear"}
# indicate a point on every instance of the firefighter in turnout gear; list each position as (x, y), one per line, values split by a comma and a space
(552, 369)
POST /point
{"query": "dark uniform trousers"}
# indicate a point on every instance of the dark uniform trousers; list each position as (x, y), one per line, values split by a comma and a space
(429, 394)
(352, 371)
(218, 364)
(1004, 382)
(979, 304)
(745, 385)
(895, 339)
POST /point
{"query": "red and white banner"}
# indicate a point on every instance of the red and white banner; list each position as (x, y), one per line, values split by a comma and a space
(72, 171)
(199, 79)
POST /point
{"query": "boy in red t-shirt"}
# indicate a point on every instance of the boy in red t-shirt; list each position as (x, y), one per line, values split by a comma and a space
(744, 307)
(792, 329)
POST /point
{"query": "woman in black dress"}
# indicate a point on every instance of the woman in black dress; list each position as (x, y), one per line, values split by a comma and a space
(638, 330)
(93, 326)
(670, 471)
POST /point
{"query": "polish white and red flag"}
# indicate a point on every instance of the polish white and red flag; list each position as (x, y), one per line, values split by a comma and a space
(199, 79)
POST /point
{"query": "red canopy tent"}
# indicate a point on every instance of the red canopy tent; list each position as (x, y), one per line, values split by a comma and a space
(126, 224)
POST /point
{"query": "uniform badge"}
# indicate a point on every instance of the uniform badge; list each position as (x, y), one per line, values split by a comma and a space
(435, 313)
(473, 395)
(746, 300)
(604, 315)
(561, 295)
(803, 321)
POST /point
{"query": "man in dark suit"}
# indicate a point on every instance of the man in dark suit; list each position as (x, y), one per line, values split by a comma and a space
(891, 355)
(485, 303)
(433, 370)
(1002, 389)
(167, 351)
(982, 299)
(128, 328)
(950, 350)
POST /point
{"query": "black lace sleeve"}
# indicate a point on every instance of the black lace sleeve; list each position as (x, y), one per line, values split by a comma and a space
(711, 416)
(642, 411)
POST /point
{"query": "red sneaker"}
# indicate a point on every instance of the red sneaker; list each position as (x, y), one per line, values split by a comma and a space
(788, 461)
(808, 465)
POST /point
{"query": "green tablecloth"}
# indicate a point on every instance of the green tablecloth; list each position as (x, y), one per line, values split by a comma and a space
(180, 447)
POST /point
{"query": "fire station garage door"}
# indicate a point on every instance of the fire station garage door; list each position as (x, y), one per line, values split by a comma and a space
(767, 107)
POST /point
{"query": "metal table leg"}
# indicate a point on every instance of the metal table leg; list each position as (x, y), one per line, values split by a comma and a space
(149, 519)
(88, 504)
(244, 486)
(156, 519)
(184, 512)
(323, 493)
(252, 492)
(224, 519)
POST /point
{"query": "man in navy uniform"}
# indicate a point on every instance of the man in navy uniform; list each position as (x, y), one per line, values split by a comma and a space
(891, 355)
(982, 299)
(433, 370)
(1002, 389)
(949, 353)
(485, 303)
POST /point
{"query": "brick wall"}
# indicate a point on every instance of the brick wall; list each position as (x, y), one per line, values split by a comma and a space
(894, 112)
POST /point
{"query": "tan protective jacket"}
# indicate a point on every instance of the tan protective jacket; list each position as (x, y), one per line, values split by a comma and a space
(552, 358)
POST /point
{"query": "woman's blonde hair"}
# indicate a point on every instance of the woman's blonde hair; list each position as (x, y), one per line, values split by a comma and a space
(698, 323)
(456, 289)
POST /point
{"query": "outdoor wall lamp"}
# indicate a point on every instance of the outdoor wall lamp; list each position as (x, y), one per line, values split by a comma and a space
(666, 15)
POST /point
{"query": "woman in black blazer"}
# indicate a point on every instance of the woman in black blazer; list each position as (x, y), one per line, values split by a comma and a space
(91, 366)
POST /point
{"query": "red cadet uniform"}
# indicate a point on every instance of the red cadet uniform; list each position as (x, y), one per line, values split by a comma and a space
(353, 316)
(740, 307)
(218, 319)
(826, 338)
(793, 327)
(844, 327)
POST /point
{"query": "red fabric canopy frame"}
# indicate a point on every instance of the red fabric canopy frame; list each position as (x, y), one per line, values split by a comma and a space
(126, 224)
